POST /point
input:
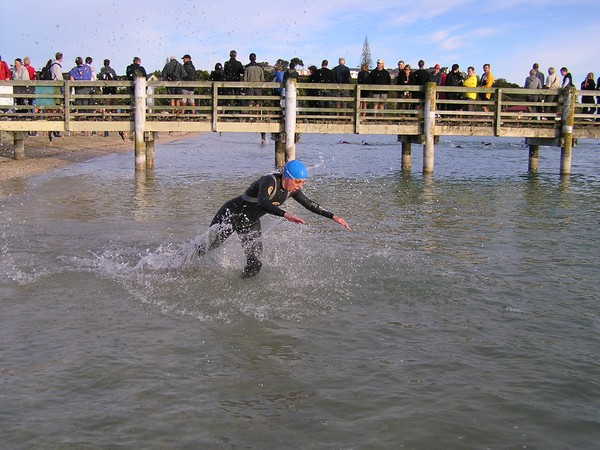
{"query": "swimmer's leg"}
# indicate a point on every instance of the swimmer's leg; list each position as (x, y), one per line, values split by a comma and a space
(252, 243)
(220, 229)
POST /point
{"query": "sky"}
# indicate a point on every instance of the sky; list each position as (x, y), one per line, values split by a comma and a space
(510, 35)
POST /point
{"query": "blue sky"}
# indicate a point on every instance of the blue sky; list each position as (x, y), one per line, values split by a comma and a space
(509, 34)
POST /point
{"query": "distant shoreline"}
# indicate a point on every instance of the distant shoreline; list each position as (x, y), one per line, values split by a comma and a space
(41, 157)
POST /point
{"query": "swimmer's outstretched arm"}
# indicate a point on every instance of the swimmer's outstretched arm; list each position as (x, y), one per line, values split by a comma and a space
(295, 219)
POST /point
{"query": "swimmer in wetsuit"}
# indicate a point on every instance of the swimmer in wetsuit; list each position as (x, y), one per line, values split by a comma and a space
(242, 214)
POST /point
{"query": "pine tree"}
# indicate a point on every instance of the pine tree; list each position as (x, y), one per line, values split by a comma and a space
(365, 57)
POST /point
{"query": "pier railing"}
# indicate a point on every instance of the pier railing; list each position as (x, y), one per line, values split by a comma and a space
(321, 108)
(417, 114)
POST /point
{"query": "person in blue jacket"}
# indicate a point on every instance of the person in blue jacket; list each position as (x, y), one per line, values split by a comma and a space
(264, 196)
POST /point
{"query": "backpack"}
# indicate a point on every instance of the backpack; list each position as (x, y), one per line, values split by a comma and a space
(46, 72)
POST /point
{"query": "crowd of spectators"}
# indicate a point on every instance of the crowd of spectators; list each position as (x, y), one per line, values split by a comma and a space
(234, 71)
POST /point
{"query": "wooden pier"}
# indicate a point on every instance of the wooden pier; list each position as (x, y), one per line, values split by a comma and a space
(416, 114)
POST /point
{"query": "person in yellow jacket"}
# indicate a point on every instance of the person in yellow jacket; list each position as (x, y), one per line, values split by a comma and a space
(470, 81)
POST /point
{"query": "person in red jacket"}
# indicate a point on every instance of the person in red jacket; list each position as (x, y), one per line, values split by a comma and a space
(31, 70)
(5, 74)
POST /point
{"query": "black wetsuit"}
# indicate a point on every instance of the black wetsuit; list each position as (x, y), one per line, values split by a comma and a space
(242, 215)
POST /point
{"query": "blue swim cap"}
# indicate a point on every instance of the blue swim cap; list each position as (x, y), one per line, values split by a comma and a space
(295, 169)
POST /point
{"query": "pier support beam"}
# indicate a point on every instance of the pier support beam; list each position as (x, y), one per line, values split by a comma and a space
(150, 150)
(140, 98)
(568, 119)
(290, 119)
(534, 154)
(429, 128)
(19, 145)
(406, 155)
(280, 150)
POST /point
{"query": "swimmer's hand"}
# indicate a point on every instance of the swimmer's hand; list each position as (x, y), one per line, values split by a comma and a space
(293, 218)
(342, 222)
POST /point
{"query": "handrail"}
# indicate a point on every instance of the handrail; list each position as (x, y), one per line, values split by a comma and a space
(322, 107)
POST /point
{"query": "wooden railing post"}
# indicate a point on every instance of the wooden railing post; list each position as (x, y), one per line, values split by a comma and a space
(139, 96)
(67, 100)
(429, 127)
(357, 106)
(498, 112)
(568, 120)
(215, 102)
(290, 119)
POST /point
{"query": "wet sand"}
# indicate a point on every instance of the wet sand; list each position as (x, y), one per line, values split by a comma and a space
(41, 156)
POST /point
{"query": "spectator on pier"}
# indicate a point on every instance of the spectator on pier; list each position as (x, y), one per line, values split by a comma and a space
(435, 76)
(30, 89)
(107, 73)
(588, 85)
(56, 75)
(278, 77)
(253, 73)
(88, 62)
(341, 75)
(405, 78)
(30, 69)
(234, 71)
(291, 72)
(21, 74)
(313, 77)
(135, 69)
(81, 72)
(380, 77)
(56, 68)
(552, 82)
(400, 66)
(217, 74)
(420, 75)
(470, 81)
(189, 71)
(5, 74)
(567, 80)
(538, 72)
(173, 71)
(532, 82)
(455, 79)
(486, 81)
(363, 78)
(325, 75)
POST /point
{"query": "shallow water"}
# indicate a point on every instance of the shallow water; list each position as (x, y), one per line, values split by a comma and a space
(461, 312)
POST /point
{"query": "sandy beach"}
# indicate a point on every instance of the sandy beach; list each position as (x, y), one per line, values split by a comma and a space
(41, 156)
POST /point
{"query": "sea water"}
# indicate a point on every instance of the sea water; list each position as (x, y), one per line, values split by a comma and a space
(461, 311)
